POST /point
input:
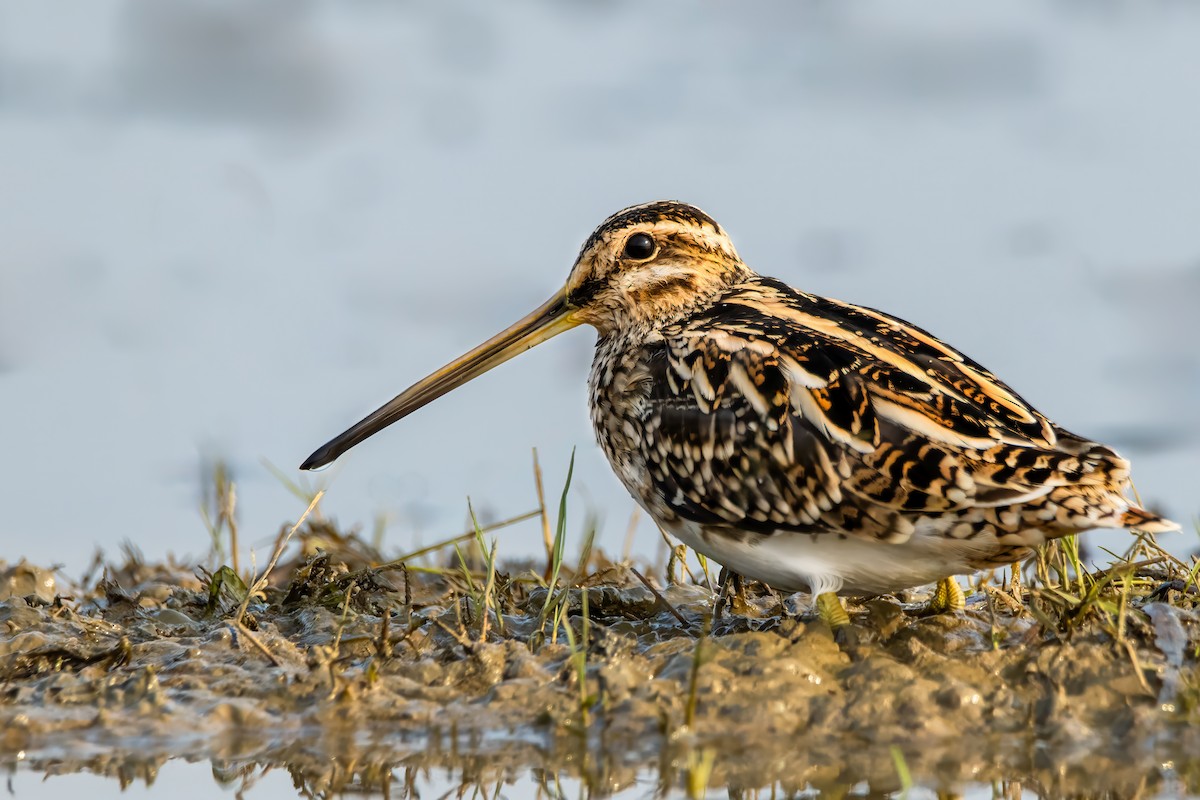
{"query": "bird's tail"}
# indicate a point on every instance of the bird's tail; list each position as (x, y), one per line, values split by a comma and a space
(1143, 521)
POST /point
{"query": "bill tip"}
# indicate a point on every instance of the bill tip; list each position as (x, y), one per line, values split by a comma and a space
(316, 462)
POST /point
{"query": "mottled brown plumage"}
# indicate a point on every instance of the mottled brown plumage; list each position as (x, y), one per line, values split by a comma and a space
(807, 442)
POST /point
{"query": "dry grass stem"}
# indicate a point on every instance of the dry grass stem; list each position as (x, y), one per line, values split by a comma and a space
(260, 584)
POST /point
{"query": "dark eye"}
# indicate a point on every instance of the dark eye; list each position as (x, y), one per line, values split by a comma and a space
(639, 247)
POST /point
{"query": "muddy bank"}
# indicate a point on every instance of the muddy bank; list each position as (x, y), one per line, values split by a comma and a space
(348, 676)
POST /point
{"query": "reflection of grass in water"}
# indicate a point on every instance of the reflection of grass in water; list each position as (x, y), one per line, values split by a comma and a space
(902, 772)
(456, 606)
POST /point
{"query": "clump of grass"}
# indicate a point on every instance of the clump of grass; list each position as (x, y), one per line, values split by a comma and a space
(1067, 595)
(218, 510)
(484, 598)
(224, 579)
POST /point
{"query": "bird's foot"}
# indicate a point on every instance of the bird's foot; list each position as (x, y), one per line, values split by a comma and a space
(947, 598)
(730, 580)
(831, 610)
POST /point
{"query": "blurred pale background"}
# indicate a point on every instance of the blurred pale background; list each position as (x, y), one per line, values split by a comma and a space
(229, 228)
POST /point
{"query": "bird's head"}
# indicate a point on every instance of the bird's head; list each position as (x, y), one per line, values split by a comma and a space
(648, 265)
(644, 267)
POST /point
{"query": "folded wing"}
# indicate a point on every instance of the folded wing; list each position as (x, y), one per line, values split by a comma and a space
(778, 410)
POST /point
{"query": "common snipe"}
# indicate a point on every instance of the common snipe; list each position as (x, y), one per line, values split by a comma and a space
(809, 443)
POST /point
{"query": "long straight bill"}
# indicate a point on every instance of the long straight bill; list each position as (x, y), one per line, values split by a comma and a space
(550, 319)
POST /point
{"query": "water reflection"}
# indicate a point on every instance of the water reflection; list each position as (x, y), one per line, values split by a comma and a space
(377, 764)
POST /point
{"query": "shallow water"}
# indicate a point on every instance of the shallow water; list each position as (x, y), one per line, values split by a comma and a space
(529, 772)
(222, 244)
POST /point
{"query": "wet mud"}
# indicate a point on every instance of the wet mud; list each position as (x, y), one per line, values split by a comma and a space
(363, 679)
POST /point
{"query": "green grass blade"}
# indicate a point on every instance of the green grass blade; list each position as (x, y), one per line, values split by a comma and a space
(560, 538)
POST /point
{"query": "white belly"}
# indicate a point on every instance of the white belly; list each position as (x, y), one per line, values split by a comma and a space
(796, 562)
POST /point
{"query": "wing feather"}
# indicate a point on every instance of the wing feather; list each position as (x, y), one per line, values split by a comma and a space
(776, 409)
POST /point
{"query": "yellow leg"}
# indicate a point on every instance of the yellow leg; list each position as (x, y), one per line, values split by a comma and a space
(947, 598)
(830, 609)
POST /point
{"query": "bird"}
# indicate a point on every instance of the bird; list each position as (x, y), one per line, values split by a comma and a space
(808, 443)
